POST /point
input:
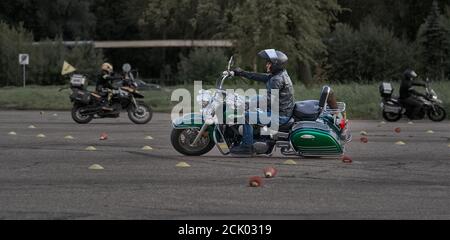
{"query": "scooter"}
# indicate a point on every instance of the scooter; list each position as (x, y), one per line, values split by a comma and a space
(393, 110)
(314, 130)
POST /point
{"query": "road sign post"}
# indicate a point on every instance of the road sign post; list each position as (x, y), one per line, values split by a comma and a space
(24, 60)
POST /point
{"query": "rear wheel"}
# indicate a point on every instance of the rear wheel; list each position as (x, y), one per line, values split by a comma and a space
(438, 114)
(392, 117)
(80, 118)
(183, 138)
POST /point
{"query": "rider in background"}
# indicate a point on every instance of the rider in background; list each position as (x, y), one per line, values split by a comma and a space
(409, 96)
(104, 85)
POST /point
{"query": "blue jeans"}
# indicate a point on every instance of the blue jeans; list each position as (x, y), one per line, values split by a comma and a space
(248, 129)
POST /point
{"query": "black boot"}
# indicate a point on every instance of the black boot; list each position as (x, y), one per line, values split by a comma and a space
(243, 150)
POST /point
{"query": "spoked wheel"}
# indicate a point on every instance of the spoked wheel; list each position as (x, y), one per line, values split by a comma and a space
(80, 118)
(438, 114)
(392, 117)
(140, 115)
(183, 138)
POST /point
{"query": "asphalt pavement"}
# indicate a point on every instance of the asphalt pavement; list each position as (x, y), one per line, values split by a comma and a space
(48, 176)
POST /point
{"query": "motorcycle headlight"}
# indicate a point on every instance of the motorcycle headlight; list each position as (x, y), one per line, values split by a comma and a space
(204, 98)
(234, 101)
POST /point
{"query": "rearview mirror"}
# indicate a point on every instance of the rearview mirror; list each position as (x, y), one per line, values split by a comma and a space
(230, 63)
(126, 67)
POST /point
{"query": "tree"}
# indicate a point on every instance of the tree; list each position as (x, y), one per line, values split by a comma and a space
(69, 19)
(369, 54)
(433, 39)
(403, 17)
(296, 27)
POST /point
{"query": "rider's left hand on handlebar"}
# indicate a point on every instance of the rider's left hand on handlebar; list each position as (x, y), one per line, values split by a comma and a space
(228, 73)
(237, 71)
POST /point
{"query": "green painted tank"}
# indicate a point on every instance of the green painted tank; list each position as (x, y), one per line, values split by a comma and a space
(315, 139)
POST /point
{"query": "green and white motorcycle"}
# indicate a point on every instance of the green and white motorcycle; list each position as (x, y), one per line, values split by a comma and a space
(314, 130)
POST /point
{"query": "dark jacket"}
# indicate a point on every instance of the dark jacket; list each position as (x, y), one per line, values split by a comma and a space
(104, 81)
(280, 81)
(407, 90)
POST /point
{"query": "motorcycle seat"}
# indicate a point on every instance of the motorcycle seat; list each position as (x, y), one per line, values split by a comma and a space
(307, 110)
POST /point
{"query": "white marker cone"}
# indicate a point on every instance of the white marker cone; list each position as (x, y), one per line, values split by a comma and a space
(96, 167)
(90, 148)
(12, 133)
(149, 138)
(183, 165)
(400, 143)
(290, 162)
(31, 127)
(147, 148)
(68, 137)
(40, 135)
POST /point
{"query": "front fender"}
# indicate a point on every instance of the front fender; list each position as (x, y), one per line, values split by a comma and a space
(191, 120)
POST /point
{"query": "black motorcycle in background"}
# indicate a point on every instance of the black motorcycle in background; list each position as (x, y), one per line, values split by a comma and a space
(87, 104)
(393, 109)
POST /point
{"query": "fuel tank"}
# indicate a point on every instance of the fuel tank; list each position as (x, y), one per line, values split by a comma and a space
(315, 139)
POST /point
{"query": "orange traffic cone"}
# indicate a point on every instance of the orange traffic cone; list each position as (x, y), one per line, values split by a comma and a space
(347, 159)
(270, 172)
(104, 136)
(255, 181)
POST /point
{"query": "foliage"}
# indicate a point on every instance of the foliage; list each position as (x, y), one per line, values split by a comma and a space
(46, 58)
(202, 65)
(369, 54)
(434, 40)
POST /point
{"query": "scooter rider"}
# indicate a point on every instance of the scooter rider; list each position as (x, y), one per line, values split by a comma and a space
(275, 78)
(409, 96)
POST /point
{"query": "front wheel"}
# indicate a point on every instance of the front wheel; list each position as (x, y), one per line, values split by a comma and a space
(182, 138)
(140, 115)
(437, 114)
(392, 117)
(80, 118)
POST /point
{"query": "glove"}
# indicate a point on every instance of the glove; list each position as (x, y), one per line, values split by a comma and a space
(238, 72)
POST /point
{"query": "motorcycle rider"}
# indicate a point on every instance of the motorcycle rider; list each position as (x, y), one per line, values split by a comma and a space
(275, 78)
(104, 85)
(409, 96)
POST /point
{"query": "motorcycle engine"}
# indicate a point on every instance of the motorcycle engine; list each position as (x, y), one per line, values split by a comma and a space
(261, 147)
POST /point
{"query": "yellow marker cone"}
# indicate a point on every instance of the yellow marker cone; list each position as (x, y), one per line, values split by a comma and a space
(91, 148)
(40, 135)
(12, 133)
(96, 167)
(290, 162)
(68, 137)
(400, 143)
(149, 138)
(364, 133)
(430, 131)
(183, 165)
(147, 148)
(67, 68)
(31, 127)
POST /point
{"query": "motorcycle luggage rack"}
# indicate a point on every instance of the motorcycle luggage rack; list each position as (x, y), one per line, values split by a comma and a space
(342, 107)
